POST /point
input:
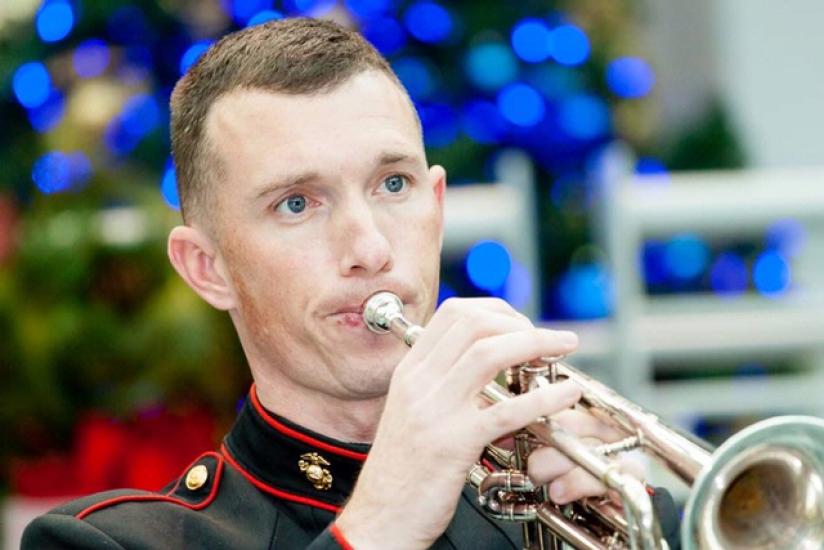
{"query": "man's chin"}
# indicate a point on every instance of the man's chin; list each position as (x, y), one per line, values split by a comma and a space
(371, 382)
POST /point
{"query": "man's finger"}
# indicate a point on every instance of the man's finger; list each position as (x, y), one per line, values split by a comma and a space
(575, 485)
(583, 424)
(485, 358)
(472, 327)
(513, 414)
(545, 464)
(452, 312)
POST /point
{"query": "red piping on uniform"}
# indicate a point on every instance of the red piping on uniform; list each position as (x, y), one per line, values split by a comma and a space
(165, 497)
(339, 538)
(276, 492)
(285, 430)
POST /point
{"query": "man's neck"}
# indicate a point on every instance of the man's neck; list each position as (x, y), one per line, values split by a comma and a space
(351, 421)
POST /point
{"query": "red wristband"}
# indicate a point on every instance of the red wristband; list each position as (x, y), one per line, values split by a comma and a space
(339, 538)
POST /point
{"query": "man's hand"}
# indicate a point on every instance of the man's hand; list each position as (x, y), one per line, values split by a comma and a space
(433, 428)
(567, 481)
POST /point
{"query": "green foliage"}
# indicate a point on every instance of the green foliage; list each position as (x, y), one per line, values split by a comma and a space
(94, 322)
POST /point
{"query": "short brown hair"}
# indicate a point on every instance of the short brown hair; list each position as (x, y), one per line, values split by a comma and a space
(289, 56)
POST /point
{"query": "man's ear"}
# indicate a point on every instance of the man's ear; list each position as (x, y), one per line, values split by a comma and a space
(196, 260)
(437, 175)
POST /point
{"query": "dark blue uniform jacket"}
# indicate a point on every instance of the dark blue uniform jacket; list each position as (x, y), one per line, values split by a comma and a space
(256, 493)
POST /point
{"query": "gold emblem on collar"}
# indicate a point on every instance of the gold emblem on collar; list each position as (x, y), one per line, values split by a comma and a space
(312, 465)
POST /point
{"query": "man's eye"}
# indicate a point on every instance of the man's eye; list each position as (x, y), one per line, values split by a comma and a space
(395, 184)
(294, 204)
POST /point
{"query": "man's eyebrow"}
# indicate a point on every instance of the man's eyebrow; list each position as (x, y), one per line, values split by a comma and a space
(392, 157)
(286, 181)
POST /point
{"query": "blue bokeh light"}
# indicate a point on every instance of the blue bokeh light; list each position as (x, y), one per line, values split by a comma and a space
(168, 186)
(243, 10)
(417, 76)
(729, 274)
(630, 77)
(47, 116)
(369, 8)
(56, 171)
(771, 274)
(518, 286)
(31, 84)
(491, 65)
(521, 104)
(584, 117)
(386, 34)
(54, 20)
(263, 17)
(428, 22)
(650, 166)
(482, 121)
(440, 124)
(531, 40)
(569, 45)
(585, 292)
(140, 115)
(90, 58)
(652, 261)
(685, 257)
(192, 54)
(313, 8)
(488, 265)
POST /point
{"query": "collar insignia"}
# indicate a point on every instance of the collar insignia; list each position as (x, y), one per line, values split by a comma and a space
(312, 465)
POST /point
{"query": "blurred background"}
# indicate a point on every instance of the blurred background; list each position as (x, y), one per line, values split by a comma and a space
(647, 173)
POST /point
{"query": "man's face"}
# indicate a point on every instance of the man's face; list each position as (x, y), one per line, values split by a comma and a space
(325, 199)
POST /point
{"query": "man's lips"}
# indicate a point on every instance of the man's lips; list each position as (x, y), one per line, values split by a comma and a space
(349, 318)
(354, 303)
(349, 312)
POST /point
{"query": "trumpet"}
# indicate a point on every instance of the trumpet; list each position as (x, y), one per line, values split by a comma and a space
(763, 488)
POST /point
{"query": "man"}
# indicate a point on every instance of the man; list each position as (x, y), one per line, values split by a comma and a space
(305, 189)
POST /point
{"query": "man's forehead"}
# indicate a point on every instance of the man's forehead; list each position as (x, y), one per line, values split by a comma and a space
(367, 97)
(261, 136)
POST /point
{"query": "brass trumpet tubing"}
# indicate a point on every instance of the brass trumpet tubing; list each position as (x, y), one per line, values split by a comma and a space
(568, 530)
(682, 456)
(645, 531)
(546, 513)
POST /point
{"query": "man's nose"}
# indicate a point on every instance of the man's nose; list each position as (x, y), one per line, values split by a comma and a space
(362, 244)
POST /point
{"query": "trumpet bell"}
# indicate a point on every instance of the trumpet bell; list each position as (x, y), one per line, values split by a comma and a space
(763, 490)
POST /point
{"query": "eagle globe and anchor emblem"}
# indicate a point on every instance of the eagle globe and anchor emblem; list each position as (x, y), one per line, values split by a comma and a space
(312, 465)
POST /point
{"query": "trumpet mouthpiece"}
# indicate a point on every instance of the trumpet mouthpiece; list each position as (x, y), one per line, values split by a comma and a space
(380, 309)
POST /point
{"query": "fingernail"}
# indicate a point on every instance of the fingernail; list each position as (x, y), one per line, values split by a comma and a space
(569, 339)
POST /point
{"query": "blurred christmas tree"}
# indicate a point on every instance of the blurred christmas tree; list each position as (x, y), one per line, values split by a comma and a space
(93, 318)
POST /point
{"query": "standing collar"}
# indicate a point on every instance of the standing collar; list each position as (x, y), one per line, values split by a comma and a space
(291, 462)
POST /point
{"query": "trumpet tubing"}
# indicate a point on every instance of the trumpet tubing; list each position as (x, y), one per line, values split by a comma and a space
(763, 488)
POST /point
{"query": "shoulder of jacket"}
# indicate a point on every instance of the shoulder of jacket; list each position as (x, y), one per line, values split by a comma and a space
(195, 489)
